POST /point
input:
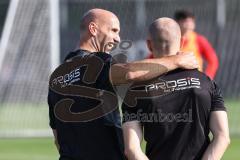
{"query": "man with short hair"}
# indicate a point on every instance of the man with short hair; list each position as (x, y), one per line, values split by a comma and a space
(83, 106)
(192, 41)
(198, 44)
(175, 111)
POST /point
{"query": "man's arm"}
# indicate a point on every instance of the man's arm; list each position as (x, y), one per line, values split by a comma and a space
(150, 68)
(55, 138)
(209, 55)
(220, 131)
(52, 117)
(132, 132)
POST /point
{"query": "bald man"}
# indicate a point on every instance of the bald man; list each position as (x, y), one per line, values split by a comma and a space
(83, 105)
(176, 111)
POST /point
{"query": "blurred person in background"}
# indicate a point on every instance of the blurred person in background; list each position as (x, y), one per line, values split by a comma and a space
(192, 41)
(174, 112)
(83, 107)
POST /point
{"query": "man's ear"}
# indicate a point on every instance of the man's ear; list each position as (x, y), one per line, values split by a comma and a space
(149, 45)
(92, 27)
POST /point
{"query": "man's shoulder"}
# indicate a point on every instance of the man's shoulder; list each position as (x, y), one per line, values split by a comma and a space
(83, 53)
(175, 74)
(188, 73)
(72, 54)
(184, 75)
(178, 73)
(82, 67)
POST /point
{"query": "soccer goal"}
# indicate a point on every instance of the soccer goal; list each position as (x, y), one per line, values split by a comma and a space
(29, 50)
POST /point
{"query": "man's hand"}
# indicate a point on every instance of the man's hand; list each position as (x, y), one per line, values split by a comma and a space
(186, 60)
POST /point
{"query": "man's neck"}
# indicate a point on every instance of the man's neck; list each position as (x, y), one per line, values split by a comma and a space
(161, 55)
(87, 45)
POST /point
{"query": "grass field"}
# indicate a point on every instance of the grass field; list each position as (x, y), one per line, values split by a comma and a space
(44, 149)
(28, 149)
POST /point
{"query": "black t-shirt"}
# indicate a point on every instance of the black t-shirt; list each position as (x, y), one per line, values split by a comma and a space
(174, 110)
(83, 108)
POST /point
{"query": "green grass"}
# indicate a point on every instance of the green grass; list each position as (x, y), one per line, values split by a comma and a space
(44, 149)
(23, 116)
(233, 109)
(233, 152)
(28, 149)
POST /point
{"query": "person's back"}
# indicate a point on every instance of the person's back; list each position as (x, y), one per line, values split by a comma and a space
(175, 111)
(175, 114)
(100, 132)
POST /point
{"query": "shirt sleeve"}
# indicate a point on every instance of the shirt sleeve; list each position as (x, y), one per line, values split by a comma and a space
(134, 113)
(217, 102)
(51, 110)
(209, 55)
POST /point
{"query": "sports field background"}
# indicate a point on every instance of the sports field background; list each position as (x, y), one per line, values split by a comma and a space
(44, 149)
(30, 44)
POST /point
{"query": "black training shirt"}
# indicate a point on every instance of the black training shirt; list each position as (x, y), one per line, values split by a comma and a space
(76, 88)
(174, 110)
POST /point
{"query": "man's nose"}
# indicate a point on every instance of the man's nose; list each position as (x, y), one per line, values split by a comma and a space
(117, 39)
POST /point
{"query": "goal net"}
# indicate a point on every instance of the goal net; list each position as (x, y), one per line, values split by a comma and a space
(26, 61)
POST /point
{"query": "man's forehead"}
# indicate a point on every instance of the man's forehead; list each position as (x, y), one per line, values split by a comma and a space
(108, 19)
(114, 22)
(114, 19)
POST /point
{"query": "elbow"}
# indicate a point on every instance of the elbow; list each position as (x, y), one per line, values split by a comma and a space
(134, 74)
(224, 139)
(130, 77)
(228, 141)
(138, 76)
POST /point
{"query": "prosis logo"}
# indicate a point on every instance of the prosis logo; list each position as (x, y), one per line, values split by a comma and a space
(68, 78)
(179, 84)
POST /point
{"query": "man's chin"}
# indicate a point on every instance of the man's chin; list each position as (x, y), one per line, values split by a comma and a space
(109, 48)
